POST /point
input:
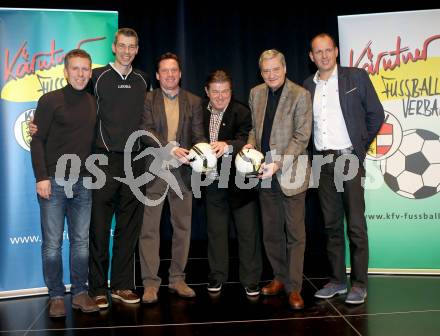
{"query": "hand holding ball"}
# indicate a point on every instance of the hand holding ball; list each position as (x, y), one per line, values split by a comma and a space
(201, 158)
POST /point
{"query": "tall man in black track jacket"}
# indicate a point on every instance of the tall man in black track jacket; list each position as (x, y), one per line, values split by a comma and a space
(120, 91)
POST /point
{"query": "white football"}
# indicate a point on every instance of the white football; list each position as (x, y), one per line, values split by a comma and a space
(201, 158)
(413, 171)
(248, 161)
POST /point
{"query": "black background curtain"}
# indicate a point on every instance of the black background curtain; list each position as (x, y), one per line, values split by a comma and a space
(209, 35)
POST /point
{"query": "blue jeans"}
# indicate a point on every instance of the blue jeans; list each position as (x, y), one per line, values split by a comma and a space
(52, 213)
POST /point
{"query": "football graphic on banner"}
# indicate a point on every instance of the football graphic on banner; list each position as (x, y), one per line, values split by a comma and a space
(413, 171)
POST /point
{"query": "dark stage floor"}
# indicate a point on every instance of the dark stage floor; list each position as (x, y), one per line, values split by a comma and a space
(396, 305)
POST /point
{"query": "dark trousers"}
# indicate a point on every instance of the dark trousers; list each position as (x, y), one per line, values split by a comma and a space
(284, 234)
(115, 198)
(246, 220)
(334, 204)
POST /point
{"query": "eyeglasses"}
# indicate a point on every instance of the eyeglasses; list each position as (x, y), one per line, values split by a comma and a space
(166, 71)
(122, 46)
(275, 71)
(222, 92)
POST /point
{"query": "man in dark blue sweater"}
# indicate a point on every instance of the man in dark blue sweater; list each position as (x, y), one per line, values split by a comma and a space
(66, 126)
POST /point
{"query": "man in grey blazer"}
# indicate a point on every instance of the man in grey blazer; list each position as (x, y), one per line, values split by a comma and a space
(281, 126)
(347, 115)
(173, 116)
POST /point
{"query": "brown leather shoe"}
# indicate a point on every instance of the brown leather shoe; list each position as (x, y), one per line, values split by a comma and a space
(295, 300)
(125, 295)
(101, 301)
(181, 289)
(84, 302)
(150, 294)
(57, 308)
(273, 288)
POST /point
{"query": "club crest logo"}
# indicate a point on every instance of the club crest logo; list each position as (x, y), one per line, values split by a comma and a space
(388, 139)
(21, 129)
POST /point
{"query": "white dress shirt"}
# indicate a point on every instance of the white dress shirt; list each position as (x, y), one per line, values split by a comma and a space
(329, 128)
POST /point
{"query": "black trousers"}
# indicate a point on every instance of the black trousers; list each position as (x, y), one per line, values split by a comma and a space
(115, 198)
(284, 234)
(246, 220)
(335, 204)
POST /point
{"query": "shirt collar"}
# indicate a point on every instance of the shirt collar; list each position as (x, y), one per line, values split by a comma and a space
(278, 91)
(332, 76)
(170, 97)
(120, 74)
(212, 110)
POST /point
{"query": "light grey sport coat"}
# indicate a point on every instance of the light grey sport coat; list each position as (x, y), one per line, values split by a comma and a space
(290, 134)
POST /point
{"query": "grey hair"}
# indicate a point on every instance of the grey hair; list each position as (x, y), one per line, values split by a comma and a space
(269, 54)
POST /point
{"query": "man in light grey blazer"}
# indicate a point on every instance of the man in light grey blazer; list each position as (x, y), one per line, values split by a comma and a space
(281, 126)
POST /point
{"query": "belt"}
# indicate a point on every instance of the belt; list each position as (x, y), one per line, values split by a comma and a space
(336, 152)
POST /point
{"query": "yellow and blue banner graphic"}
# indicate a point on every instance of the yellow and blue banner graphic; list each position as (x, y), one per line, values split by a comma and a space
(33, 43)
